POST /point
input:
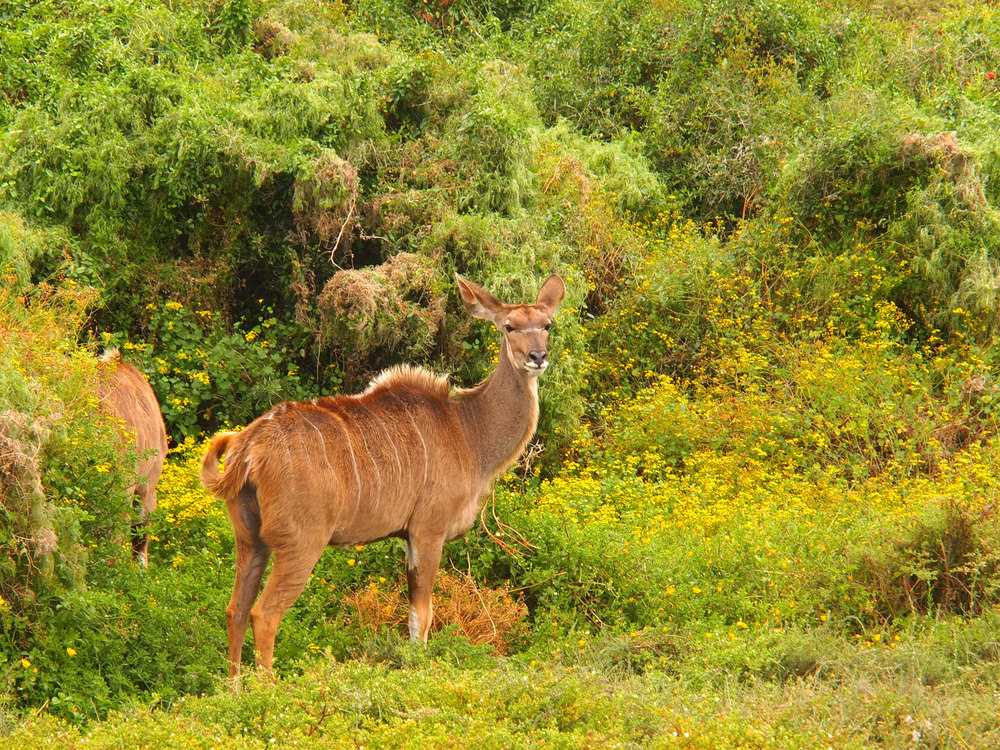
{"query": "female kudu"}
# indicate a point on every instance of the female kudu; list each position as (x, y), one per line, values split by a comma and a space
(407, 458)
(126, 395)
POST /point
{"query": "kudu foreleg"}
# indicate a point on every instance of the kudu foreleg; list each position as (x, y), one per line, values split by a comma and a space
(423, 558)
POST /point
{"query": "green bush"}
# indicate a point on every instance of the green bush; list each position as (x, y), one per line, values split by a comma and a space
(952, 233)
(208, 374)
(169, 148)
(595, 64)
(66, 523)
(383, 314)
(488, 136)
(25, 247)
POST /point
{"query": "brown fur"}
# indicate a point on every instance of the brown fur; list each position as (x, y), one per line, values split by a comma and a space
(126, 395)
(407, 458)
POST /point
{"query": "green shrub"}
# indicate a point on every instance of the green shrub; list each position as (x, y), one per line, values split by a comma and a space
(169, 148)
(595, 64)
(207, 373)
(25, 247)
(945, 564)
(951, 232)
(489, 138)
(66, 523)
(383, 314)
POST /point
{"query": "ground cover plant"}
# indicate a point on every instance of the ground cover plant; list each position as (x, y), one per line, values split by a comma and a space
(761, 510)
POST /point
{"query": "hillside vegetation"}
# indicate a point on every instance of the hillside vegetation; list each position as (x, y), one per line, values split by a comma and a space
(761, 509)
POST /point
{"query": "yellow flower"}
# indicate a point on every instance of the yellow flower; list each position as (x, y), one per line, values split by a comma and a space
(25, 663)
(71, 651)
(351, 562)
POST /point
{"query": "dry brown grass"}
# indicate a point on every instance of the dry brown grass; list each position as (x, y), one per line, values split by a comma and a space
(380, 312)
(484, 615)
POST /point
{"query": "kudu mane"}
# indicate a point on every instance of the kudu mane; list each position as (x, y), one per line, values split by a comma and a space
(408, 457)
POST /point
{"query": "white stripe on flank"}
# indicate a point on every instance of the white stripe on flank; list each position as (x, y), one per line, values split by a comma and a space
(288, 453)
(422, 443)
(322, 441)
(378, 476)
(354, 463)
(395, 449)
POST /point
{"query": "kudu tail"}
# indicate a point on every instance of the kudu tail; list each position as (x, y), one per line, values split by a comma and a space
(213, 481)
(234, 487)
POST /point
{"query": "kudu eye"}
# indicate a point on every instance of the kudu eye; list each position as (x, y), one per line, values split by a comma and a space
(510, 328)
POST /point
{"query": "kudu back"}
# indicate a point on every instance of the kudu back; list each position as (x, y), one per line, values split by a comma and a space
(125, 394)
(409, 458)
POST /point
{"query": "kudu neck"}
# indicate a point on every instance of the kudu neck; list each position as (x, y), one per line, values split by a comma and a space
(500, 415)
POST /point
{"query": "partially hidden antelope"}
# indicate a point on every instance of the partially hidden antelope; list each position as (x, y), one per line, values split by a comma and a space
(410, 457)
(125, 394)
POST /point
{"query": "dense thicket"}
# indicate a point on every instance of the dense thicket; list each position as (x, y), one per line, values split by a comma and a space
(778, 221)
(235, 156)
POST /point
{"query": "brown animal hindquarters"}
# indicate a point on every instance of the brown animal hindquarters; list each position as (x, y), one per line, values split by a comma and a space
(126, 395)
(407, 458)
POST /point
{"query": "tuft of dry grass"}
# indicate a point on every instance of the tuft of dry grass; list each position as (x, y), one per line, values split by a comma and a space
(484, 615)
(380, 311)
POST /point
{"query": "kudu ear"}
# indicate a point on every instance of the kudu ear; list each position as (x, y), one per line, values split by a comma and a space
(479, 302)
(551, 293)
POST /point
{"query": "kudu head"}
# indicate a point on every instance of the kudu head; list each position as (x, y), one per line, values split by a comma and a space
(525, 328)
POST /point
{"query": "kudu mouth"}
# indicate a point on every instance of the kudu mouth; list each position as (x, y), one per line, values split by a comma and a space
(536, 368)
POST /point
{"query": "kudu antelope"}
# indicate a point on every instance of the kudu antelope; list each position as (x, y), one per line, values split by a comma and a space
(409, 458)
(125, 394)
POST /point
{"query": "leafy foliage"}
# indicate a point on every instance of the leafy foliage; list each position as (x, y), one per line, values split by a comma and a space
(201, 368)
(766, 449)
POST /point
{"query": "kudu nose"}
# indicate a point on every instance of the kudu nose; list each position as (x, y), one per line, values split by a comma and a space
(538, 357)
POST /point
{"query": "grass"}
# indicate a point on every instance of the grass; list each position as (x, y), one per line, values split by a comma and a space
(770, 627)
(910, 693)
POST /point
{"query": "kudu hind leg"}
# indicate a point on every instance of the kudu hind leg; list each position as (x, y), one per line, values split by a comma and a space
(289, 576)
(143, 503)
(140, 544)
(423, 558)
(251, 560)
(252, 554)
